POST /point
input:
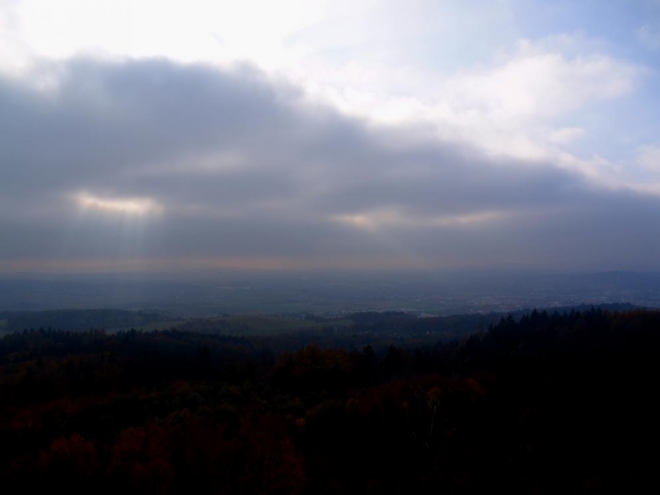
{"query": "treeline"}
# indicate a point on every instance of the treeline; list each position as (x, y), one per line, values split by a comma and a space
(545, 403)
(78, 319)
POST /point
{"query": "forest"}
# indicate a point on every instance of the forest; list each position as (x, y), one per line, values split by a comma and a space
(543, 402)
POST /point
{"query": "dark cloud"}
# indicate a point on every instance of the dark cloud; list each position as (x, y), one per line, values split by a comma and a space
(243, 166)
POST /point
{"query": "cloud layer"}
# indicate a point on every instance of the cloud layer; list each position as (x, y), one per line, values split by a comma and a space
(155, 164)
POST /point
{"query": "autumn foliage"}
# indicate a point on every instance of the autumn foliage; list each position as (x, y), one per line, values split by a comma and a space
(546, 403)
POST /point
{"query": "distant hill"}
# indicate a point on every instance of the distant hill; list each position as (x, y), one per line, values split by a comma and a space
(77, 320)
(393, 323)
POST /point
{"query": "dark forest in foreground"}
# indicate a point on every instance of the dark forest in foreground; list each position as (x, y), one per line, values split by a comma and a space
(545, 403)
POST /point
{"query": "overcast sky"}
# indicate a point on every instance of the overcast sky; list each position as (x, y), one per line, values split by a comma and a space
(174, 136)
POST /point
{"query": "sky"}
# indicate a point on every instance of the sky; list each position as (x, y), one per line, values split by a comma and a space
(176, 136)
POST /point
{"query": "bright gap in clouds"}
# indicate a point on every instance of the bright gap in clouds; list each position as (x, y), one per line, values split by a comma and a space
(121, 206)
(372, 221)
